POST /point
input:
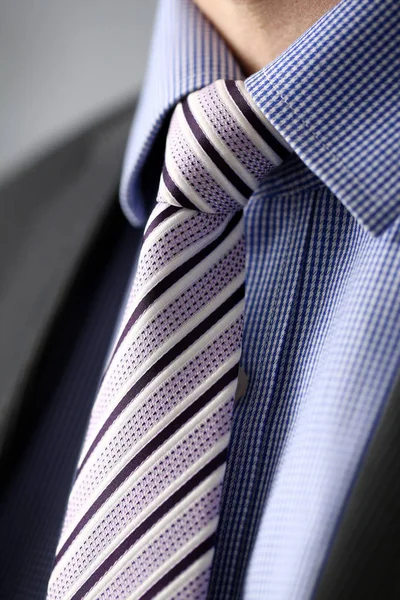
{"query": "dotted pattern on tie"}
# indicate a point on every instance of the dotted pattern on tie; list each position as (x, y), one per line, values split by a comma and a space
(143, 511)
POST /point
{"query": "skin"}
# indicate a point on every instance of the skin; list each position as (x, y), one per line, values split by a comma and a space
(258, 31)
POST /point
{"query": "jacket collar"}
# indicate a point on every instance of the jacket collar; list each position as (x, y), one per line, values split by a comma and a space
(333, 95)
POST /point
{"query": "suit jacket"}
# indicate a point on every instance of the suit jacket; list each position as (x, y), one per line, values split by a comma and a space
(50, 215)
(66, 255)
(59, 219)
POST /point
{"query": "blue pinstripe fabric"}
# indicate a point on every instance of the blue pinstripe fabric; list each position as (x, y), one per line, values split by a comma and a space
(322, 324)
(335, 96)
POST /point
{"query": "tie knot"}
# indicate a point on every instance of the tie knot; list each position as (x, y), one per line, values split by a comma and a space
(220, 146)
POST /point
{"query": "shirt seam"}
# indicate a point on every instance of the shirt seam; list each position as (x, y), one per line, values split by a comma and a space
(331, 153)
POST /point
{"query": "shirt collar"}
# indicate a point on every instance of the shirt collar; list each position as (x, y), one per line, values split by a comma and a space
(333, 95)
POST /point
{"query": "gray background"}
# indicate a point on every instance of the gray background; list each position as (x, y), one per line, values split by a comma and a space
(62, 64)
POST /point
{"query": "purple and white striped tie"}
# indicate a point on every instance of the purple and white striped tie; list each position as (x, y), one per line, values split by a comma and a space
(143, 511)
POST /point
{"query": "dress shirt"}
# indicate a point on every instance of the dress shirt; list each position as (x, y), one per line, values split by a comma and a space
(321, 347)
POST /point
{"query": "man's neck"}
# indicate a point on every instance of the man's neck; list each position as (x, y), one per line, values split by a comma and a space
(258, 31)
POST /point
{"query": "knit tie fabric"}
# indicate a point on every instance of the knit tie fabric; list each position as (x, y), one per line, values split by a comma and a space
(143, 511)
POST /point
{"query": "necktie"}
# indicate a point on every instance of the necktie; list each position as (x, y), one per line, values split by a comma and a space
(143, 511)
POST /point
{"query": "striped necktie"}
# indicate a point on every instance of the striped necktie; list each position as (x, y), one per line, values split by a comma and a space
(143, 511)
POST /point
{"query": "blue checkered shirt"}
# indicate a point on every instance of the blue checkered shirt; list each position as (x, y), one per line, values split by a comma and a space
(321, 345)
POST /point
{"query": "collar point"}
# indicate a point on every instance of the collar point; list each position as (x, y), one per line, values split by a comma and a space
(379, 215)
